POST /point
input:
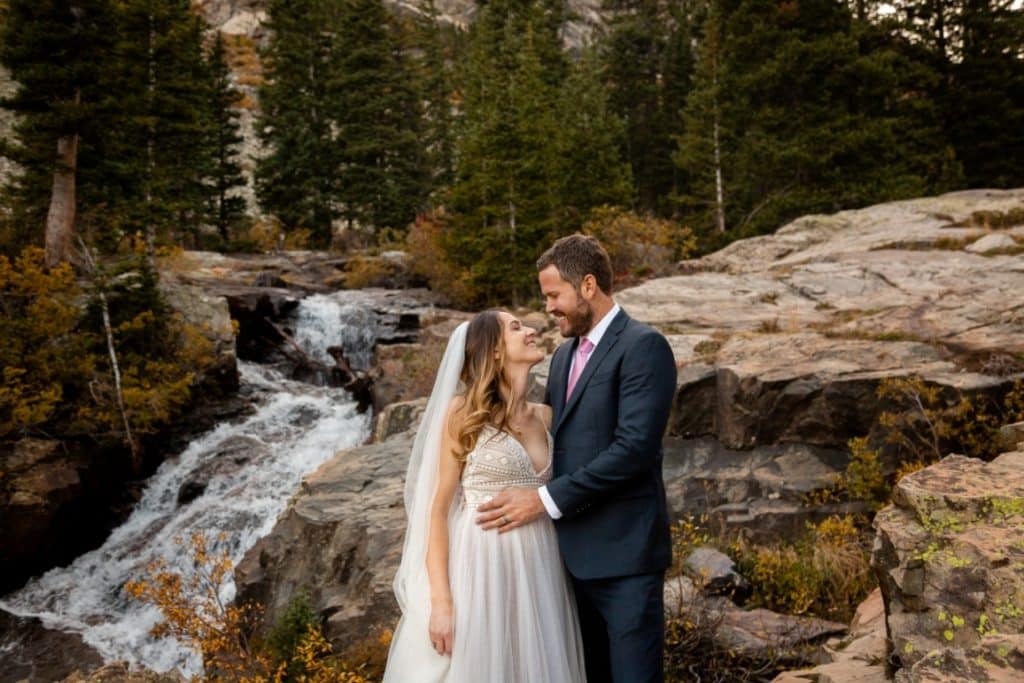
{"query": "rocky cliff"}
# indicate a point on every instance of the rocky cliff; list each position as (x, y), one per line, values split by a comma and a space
(781, 343)
(949, 555)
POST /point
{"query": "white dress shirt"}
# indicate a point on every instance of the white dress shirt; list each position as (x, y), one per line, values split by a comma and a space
(594, 336)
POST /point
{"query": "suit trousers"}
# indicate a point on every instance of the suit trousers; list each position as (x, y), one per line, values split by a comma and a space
(622, 620)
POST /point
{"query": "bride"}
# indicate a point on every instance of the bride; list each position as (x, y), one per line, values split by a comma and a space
(478, 605)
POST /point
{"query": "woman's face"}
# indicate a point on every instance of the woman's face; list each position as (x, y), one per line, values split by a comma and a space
(520, 341)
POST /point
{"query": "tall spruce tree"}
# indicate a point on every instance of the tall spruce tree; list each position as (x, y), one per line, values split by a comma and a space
(504, 200)
(156, 160)
(383, 179)
(435, 73)
(590, 138)
(975, 46)
(803, 116)
(54, 51)
(225, 207)
(537, 149)
(295, 180)
(649, 71)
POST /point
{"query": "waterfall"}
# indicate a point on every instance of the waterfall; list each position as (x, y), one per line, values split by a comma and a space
(240, 477)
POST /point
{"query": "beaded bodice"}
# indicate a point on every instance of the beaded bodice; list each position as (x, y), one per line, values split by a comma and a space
(499, 461)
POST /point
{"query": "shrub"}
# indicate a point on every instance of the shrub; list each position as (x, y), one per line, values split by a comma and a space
(222, 634)
(42, 352)
(826, 573)
(639, 246)
(428, 252)
(364, 271)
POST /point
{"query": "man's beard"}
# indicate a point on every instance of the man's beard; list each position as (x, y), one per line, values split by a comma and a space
(581, 320)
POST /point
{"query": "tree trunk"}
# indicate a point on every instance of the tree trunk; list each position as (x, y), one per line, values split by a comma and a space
(60, 219)
(719, 186)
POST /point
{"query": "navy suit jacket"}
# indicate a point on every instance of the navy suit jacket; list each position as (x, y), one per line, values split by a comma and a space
(607, 479)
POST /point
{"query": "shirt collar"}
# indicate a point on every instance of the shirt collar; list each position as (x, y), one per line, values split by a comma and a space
(602, 326)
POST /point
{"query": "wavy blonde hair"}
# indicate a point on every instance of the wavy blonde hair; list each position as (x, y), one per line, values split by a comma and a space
(483, 402)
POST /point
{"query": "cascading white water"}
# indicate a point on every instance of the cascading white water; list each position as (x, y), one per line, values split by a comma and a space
(251, 468)
(319, 328)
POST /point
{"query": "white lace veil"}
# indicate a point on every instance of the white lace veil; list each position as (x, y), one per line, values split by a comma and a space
(411, 651)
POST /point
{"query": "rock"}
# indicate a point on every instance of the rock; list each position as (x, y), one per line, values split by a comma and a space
(40, 488)
(211, 316)
(949, 556)
(996, 658)
(992, 243)
(120, 672)
(716, 574)
(399, 417)
(31, 652)
(808, 388)
(349, 522)
(759, 634)
(837, 672)
(857, 658)
(884, 272)
(760, 490)
(1011, 436)
(235, 453)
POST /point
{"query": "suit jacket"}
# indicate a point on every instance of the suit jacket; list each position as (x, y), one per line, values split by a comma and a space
(607, 479)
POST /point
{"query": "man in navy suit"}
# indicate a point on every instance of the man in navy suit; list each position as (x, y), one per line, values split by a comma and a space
(610, 390)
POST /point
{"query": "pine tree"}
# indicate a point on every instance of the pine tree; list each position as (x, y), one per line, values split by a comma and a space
(796, 111)
(705, 141)
(975, 46)
(54, 51)
(383, 179)
(438, 87)
(295, 181)
(649, 69)
(155, 159)
(590, 140)
(504, 201)
(225, 207)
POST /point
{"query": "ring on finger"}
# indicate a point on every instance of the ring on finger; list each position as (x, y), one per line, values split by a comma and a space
(505, 519)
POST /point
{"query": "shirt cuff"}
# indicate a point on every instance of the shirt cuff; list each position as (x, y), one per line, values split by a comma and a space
(549, 503)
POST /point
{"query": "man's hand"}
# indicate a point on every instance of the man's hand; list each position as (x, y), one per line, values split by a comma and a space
(510, 509)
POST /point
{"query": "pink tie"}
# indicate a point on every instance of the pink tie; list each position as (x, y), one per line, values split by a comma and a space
(582, 354)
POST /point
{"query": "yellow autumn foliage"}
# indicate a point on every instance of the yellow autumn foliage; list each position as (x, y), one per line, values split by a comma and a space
(222, 634)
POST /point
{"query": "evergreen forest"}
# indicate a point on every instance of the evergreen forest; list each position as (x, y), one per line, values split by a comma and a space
(727, 118)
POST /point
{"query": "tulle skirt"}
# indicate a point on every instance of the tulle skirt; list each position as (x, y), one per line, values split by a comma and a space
(515, 617)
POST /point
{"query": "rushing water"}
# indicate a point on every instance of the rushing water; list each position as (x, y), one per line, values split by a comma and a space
(251, 467)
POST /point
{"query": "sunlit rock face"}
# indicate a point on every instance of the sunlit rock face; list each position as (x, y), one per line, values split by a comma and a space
(242, 16)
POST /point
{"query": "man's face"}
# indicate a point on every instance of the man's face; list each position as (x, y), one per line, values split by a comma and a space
(571, 311)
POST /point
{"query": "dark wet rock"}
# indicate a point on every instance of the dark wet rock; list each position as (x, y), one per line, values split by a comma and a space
(31, 652)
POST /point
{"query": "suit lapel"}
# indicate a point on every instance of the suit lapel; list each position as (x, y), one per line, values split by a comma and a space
(558, 377)
(610, 338)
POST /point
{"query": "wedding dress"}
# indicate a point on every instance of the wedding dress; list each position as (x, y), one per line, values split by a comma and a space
(515, 616)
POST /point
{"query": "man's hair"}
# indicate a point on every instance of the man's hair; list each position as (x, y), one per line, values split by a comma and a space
(575, 257)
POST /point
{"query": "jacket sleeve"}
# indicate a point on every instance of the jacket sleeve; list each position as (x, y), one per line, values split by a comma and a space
(647, 385)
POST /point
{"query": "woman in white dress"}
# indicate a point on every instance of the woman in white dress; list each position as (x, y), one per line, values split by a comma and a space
(480, 605)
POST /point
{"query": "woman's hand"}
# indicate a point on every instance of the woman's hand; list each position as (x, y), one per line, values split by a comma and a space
(442, 626)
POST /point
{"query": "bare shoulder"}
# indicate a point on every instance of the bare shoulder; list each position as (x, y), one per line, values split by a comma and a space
(543, 412)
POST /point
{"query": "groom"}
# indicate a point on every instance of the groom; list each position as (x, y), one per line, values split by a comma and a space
(610, 390)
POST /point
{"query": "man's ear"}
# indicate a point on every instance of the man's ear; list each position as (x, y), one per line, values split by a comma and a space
(588, 287)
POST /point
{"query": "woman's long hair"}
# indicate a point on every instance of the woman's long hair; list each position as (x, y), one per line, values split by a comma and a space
(481, 374)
